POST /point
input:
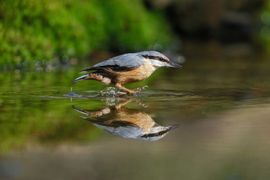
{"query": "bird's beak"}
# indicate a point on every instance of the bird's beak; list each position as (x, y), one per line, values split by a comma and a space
(174, 65)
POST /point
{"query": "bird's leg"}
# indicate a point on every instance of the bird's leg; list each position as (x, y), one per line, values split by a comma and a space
(129, 91)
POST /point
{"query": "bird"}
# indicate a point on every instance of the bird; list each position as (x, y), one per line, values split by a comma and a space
(125, 122)
(127, 68)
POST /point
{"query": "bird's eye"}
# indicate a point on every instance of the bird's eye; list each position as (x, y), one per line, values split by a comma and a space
(145, 56)
(156, 58)
(163, 59)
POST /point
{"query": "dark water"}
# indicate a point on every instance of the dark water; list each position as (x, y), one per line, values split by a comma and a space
(209, 120)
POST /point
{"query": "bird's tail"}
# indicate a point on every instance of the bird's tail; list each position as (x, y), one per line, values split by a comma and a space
(83, 77)
(94, 76)
(80, 110)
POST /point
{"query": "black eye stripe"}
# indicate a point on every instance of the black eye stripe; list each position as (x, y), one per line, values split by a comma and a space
(156, 57)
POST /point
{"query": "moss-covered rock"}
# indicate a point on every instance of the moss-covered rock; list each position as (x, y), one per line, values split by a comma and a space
(45, 30)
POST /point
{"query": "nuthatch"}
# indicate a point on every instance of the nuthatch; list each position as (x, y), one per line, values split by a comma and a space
(125, 122)
(127, 68)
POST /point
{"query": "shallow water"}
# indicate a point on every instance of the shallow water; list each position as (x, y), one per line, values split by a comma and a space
(209, 120)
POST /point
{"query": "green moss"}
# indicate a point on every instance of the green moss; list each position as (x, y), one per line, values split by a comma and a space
(132, 28)
(46, 30)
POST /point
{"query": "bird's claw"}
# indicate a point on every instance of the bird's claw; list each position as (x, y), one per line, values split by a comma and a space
(115, 92)
(140, 89)
(111, 92)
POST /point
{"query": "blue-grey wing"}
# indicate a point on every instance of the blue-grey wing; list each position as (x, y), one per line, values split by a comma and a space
(122, 62)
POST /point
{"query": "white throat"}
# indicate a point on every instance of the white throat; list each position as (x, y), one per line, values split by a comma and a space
(157, 63)
(148, 68)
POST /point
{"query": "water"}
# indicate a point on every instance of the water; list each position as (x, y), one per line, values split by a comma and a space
(209, 120)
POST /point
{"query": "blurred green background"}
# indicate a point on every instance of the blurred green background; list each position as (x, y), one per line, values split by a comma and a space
(47, 30)
(63, 30)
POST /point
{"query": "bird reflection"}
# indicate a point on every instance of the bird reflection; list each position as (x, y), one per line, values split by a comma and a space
(125, 122)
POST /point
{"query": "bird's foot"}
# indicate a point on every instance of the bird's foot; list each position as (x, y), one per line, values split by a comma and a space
(111, 92)
(139, 89)
(116, 92)
(125, 90)
(129, 92)
(134, 92)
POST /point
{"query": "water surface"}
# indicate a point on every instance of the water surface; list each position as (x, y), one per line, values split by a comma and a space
(209, 120)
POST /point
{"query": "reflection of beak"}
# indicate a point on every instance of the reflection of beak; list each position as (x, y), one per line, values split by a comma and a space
(174, 65)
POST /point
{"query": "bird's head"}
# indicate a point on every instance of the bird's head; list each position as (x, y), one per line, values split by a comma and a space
(158, 59)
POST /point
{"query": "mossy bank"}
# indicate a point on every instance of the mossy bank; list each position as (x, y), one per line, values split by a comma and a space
(33, 31)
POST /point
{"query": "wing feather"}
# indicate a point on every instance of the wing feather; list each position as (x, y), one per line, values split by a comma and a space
(125, 61)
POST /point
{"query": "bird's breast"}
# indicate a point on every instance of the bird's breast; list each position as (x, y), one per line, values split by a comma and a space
(140, 73)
